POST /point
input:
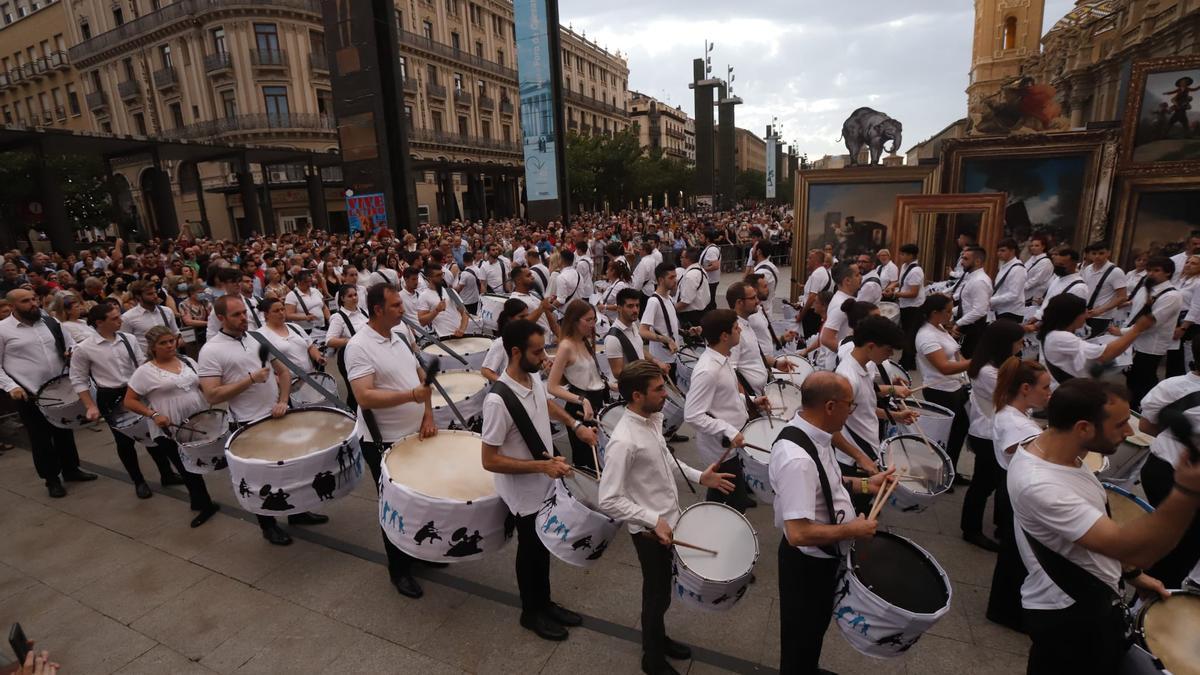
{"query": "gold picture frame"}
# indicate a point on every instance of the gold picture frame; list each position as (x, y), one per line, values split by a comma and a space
(1137, 196)
(1150, 141)
(915, 211)
(872, 187)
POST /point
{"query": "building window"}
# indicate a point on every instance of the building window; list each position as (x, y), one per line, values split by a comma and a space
(218, 41)
(427, 29)
(85, 29)
(500, 56)
(164, 55)
(436, 117)
(8, 116)
(118, 15)
(229, 104)
(276, 101)
(479, 49)
(106, 127)
(139, 124)
(324, 102)
(431, 73)
(316, 41)
(59, 111)
(73, 100)
(455, 41)
(408, 116)
(127, 64)
(506, 130)
(458, 82)
(266, 38)
(481, 86)
(403, 68)
(485, 129)
(177, 115)
(463, 126)
(1010, 32)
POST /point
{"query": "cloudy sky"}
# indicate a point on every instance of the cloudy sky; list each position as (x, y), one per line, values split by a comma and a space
(809, 63)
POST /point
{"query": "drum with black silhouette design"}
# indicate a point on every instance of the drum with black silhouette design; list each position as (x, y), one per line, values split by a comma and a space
(436, 501)
(466, 389)
(473, 349)
(800, 370)
(1125, 465)
(490, 307)
(304, 395)
(1124, 506)
(1166, 636)
(132, 425)
(685, 363)
(890, 311)
(713, 581)
(933, 420)
(201, 440)
(894, 373)
(927, 471)
(784, 398)
(294, 463)
(61, 405)
(755, 463)
(889, 592)
(570, 523)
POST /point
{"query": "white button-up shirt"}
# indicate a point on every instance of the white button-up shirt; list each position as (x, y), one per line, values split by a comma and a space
(797, 486)
(1064, 284)
(771, 273)
(661, 317)
(643, 275)
(105, 361)
(1165, 446)
(1010, 427)
(293, 344)
(570, 286)
(392, 363)
(522, 492)
(762, 331)
(711, 253)
(747, 359)
(495, 274)
(256, 319)
(638, 483)
(714, 406)
(818, 281)
(585, 268)
(911, 274)
(1115, 280)
(231, 359)
(139, 320)
(1008, 292)
(28, 355)
(888, 273)
(1038, 271)
(974, 298)
(1167, 305)
(871, 289)
(693, 289)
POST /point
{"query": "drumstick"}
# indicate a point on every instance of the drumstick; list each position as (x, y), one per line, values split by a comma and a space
(684, 544)
(904, 408)
(596, 459)
(756, 447)
(881, 497)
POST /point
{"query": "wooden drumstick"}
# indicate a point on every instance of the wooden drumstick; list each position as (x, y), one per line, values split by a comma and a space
(684, 544)
(904, 408)
(881, 497)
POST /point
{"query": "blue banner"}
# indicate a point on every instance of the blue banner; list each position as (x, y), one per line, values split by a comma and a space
(535, 74)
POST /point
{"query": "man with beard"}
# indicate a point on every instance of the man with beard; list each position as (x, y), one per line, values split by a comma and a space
(1160, 298)
(541, 310)
(34, 349)
(1066, 279)
(1106, 285)
(639, 489)
(1076, 556)
(972, 298)
(147, 314)
(517, 448)
(435, 308)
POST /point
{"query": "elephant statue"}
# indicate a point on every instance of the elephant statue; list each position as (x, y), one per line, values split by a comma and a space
(871, 128)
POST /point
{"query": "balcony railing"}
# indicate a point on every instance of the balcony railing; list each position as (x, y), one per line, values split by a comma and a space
(254, 122)
(96, 100)
(181, 11)
(435, 90)
(594, 104)
(462, 97)
(506, 107)
(319, 62)
(60, 112)
(129, 89)
(3, 79)
(464, 140)
(411, 86)
(28, 71)
(60, 60)
(15, 76)
(268, 58)
(166, 78)
(486, 103)
(219, 61)
(458, 55)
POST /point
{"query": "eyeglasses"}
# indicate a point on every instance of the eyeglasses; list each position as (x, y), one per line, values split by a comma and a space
(851, 404)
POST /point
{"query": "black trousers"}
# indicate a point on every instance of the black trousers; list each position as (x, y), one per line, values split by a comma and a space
(1176, 365)
(956, 402)
(109, 401)
(1009, 316)
(1072, 640)
(399, 562)
(1141, 376)
(197, 490)
(1004, 596)
(1158, 478)
(806, 588)
(581, 453)
(910, 320)
(533, 567)
(971, 335)
(655, 560)
(712, 296)
(737, 498)
(54, 450)
(983, 483)
(811, 323)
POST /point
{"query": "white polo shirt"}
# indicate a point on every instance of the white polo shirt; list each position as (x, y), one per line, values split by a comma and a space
(255, 318)
(410, 300)
(911, 274)
(448, 320)
(818, 281)
(711, 253)
(392, 363)
(797, 487)
(1010, 427)
(931, 339)
(522, 492)
(862, 422)
(835, 318)
(1168, 304)
(294, 345)
(306, 303)
(1008, 291)
(748, 359)
(661, 317)
(1071, 353)
(139, 320)
(693, 289)
(231, 359)
(980, 406)
(612, 344)
(1070, 283)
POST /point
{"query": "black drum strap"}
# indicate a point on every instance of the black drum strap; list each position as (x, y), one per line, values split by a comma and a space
(303, 375)
(1092, 595)
(793, 434)
(1060, 376)
(662, 304)
(128, 349)
(520, 419)
(1100, 285)
(627, 348)
(56, 330)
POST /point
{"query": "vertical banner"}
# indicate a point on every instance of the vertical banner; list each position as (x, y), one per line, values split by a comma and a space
(771, 166)
(538, 66)
(366, 213)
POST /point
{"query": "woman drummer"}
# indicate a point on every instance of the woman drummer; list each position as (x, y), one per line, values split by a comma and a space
(618, 277)
(941, 364)
(1065, 354)
(344, 324)
(166, 390)
(575, 376)
(1020, 387)
(496, 360)
(289, 339)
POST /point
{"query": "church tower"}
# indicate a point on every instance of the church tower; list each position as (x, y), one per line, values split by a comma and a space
(1006, 32)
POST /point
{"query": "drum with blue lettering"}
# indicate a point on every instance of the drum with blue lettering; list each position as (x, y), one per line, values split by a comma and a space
(716, 578)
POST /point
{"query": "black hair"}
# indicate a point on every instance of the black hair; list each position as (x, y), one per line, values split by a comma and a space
(516, 334)
(717, 322)
(512, 307)
(375, 297)
(1068, 252)
(100, 310)
(1009, 243)
(843, 271)
(1096, 246)
(1162, 262)
(411, 271)
(566, 256)
(1081, 399)
(626, 294)
(910, 249)
(266, 304)
(880, 331)
(662, 269)
(1060, 312)
(935, 302)
(995, 345)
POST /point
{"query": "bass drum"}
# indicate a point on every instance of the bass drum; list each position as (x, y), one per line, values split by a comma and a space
(756, 464)
(1167, 636)
(570, 523)
(490, 306)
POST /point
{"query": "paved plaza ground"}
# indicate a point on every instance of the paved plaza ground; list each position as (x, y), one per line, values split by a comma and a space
(110, 583)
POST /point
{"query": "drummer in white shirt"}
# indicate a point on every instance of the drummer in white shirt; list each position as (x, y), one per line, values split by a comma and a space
(638, 488)
(541, 310)
(660, 322)
(871, 288)
(525, 469)
(643, 273)
(1187, 284)
(147, 313)
(1039, 269)
(909, 293)
(1060, 507)
(761, 255)
(495, 362)
(305, 304)
(1067, 279)
(345, 322)
(569, 285)
(752, 365)
(410, 295)
(1106, 288)
(847, 280)
(393, 402)
(887, 270)
(693, 288)
(1165, 303)
(1008, 291)
(468, 284)
(1065, 354)
(819, 281)
(1191, 247)
(435, 309)
(972, 299)
(817, 526)
(623, 344)
(942, 368)
(770, 342)
(288, 338)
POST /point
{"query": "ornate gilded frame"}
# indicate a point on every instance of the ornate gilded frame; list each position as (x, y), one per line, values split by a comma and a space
(915, 211)
(1133, 108)
(926, 175)
(1099, 148)
(1130, 190)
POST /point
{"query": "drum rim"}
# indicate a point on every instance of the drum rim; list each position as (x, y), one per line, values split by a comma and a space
(1126, 493)
(430, 343)
(902, 369)
(849, 569)
(224, 418)
(484, 389)
(67, 403)
(409, 488)
(929, 406)
(261, 420)
(757, 550)
(938, 449)
(1139, 630)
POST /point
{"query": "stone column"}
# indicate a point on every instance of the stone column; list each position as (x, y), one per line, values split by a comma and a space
(163, 203)
(251, 221)
(318, 210)
(270, 227)
(54, 211)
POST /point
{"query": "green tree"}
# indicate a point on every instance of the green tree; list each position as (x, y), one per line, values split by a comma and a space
(750, 184)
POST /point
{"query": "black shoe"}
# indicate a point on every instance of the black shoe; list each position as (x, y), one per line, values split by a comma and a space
(960, 479)
(677, 650)
(822, 671)
(544, 627)
(56, 490)
(408, 587)
(143, 491)
(171, 479)
(79, 476)
(276, 535)
(660, 667)
(205, 513)
(563, 615)
(678, 438)
(982, 541)
(307, 518)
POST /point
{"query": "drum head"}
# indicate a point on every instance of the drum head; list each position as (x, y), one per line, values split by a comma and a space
(892, 371)
(204, 426)
(762, 432)
(927, 409)
(302, 391)
(58, 388)
(463, 345)
(610, 415)
(689, 354)
(722, 529)
(296, 434)
(446, 466)
(1171, 631)
(584, 487)
(1126, 506)
(899, 573)
(926, 467)
(784, 397)
(1095, 461)
(459, 384)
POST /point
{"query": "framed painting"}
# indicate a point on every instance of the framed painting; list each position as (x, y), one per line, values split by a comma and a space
(850, 210)
(1161, 126)
(1154, 215)
(918, 219)
(1058, 184)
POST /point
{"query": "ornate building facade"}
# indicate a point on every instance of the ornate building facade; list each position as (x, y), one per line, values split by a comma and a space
(662, 127)
(38, 85)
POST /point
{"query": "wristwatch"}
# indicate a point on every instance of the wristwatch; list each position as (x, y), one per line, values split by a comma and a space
(576, 425)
